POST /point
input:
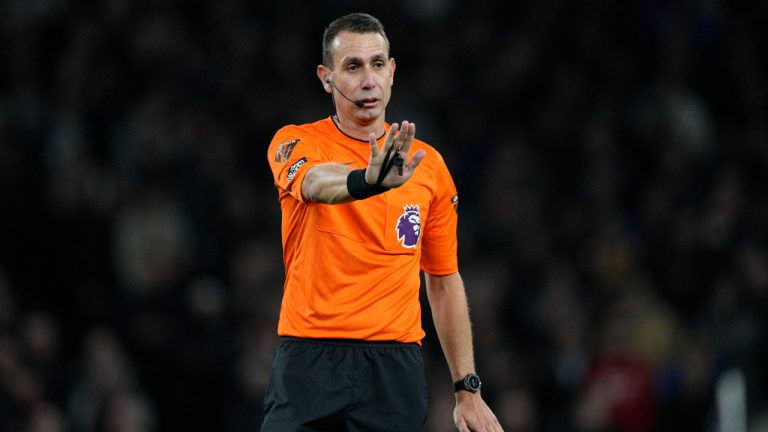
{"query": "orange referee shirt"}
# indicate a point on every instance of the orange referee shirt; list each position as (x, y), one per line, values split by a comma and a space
(352, 270)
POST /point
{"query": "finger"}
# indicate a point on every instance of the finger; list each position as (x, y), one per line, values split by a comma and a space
(416, 160)
(461, 424)
(492, 424)
(391, 137)
(494, 421)
(408, 134)
(404, 126)
(374, 146)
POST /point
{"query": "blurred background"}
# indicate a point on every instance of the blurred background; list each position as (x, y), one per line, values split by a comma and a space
(610, 158)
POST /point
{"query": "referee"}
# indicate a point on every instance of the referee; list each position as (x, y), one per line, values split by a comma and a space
(365, 208)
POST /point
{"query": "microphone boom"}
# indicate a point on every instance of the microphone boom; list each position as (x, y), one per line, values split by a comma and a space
(358, 103)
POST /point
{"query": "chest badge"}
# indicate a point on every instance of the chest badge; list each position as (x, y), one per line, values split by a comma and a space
(409, 226)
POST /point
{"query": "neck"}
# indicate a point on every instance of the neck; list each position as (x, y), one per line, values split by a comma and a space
(358, 130)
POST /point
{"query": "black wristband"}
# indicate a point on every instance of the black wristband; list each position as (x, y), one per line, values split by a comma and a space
(359, 188)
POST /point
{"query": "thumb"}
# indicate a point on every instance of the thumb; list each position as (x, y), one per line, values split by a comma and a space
(416, 159)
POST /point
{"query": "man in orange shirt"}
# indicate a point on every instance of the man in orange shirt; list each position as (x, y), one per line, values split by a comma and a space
(360, 222)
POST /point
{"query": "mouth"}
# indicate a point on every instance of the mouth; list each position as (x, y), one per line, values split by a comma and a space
(369, 102)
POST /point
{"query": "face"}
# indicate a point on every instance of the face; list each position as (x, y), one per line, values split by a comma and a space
(361, 71)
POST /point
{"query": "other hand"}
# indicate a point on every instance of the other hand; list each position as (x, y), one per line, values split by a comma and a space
(473, 415)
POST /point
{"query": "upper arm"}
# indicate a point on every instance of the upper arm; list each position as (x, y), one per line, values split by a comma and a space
(439, 244)
(292, 153)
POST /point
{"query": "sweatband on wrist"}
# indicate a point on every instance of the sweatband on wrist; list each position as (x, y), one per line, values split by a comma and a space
(360, 189)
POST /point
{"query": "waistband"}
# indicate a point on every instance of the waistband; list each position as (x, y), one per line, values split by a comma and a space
(352, 342)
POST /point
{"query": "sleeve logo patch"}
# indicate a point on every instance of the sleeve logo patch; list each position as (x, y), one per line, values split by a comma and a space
(293, 169)
(285, 149)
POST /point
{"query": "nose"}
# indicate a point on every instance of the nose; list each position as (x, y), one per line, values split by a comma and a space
(368, 81)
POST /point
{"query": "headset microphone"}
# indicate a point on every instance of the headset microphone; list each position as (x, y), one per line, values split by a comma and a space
(357, 103)
(397, 161)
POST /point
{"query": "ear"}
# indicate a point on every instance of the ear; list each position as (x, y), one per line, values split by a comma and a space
(324, 74)
(392, 71)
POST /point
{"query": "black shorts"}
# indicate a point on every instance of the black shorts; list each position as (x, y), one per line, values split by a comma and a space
(337, 385)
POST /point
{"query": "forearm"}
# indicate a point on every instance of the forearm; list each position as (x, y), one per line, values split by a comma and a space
(327, 183)
(450, 313)
(331, 183)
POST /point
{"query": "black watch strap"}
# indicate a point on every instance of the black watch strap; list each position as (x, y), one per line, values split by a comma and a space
(470, 383)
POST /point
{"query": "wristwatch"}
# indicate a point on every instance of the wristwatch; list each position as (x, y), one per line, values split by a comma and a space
(470, 383)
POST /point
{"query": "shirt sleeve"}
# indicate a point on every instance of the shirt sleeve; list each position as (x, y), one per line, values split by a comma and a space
(439, 244)
(291, 154)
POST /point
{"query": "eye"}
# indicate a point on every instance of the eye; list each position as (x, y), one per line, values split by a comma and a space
(378, 65)
(352, 67)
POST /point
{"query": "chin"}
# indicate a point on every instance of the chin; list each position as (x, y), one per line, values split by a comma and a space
(369, 113)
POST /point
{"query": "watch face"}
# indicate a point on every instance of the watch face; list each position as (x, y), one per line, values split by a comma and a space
(472, 382)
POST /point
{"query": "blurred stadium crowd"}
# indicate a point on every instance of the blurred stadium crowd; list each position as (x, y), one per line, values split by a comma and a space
(608, 156)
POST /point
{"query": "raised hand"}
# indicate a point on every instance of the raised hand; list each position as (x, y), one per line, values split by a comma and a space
(399, 141)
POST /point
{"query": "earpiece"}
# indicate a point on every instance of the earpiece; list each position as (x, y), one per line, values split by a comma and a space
(357, 103)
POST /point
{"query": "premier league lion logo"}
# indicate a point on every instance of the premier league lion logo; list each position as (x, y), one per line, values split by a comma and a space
(409, 226)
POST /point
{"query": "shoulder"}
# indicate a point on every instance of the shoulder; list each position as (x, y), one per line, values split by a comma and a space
(301, 130)
(289, 136)
(433, 169)
(421, 145)
(433, 158)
